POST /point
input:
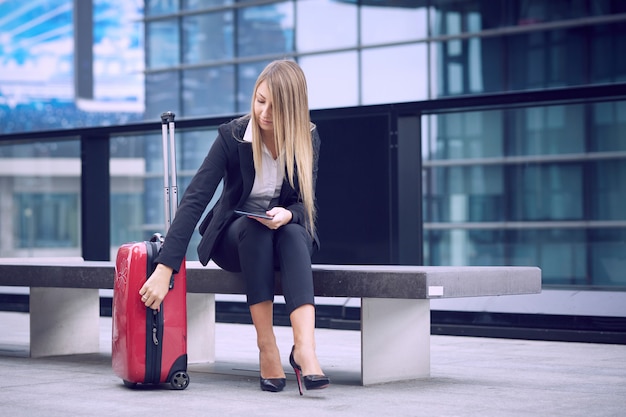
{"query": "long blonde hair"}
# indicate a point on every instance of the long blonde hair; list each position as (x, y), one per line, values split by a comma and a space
(287, 87)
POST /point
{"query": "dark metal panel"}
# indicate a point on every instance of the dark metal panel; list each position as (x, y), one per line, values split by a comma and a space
(83, 49)
(95, 198)
(353, 190)
(409, 168)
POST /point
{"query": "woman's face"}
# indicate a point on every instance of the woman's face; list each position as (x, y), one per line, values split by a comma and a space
(263, 108)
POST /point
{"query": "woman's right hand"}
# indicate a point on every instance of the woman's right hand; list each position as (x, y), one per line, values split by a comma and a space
(156, 287)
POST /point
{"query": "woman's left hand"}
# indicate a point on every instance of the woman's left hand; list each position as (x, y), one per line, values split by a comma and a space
(280, 217)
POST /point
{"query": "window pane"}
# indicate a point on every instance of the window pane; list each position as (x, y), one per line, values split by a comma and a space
(548, 130)
(339, 27)
(464, 247)
(394, 74)
(392, 24)
(452, 18)
(608, 190)
(201, 4)
(464, 194)
(208, 37)
(46, 220)
(246, 78)
(331, 79)
(162, 94)
(607, 256)
(467, 66)
(209, 91)
(163, 44)
(547, 59)
(127, 172)
(127, 220)
(40, 203)
(560, 253)
(478, 134)
(265, 29)
(547, 192)
(608, 126)
(156, 7)
(606, 65)
(477, 15)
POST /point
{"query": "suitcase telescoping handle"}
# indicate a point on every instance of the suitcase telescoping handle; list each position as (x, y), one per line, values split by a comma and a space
(170, 190)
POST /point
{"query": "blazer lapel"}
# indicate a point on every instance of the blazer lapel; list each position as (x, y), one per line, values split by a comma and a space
(247, 168)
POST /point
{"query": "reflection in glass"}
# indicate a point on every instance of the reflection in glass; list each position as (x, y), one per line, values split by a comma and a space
(161, 94)
(339, 28)
(608, 189)
(331, 79)
(606, 65)
(608, 124)
(208, 91)
(265, 29)
(452, 18)
(476, 15)
(546, 59)
(156, 7)
(608, 257)
(475, 134)
(162, 47)
(465, 194)
(201, 4)
(393, 24)
(547, 192)
(208, 37)
(560, 253)
(390, 74)
(468, 66)
(465, 248)
(246, 78)
(40, 203)
(548, 130)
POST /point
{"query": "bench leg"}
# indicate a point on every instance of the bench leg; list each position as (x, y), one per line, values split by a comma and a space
(64, 321)
(201, 328)
(395, 340)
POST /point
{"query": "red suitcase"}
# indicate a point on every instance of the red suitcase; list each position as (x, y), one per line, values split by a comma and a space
(150, 346)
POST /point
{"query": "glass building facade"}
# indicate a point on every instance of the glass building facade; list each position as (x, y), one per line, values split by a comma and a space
(538, 185)
(510, 185)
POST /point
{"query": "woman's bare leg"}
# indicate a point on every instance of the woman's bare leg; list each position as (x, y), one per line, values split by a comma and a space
(269, 356)
(303, 326)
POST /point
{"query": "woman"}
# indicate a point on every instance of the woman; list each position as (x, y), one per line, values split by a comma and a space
(268, 162)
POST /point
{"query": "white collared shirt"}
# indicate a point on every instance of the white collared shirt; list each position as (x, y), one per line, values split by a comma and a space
(266, 186)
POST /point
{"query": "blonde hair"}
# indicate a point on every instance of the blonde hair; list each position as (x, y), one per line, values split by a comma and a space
(287, 88)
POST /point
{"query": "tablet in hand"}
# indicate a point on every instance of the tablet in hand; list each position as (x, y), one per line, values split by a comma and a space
(250, 214)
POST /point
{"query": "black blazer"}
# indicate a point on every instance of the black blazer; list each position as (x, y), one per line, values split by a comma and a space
(230, 158)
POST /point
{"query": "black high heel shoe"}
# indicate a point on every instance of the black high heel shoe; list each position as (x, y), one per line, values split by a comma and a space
(272, 384)
(310, 381)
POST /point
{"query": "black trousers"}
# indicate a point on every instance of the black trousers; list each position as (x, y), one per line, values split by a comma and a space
(249, 247)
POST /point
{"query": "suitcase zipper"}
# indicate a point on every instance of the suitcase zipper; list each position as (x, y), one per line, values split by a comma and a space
(154, 347)
(154, 328)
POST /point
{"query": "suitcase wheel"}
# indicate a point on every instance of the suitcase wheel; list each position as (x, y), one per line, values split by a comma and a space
(180, 380)
(129, 384)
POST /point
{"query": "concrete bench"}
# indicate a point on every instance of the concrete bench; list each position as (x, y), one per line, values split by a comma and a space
(395, 305)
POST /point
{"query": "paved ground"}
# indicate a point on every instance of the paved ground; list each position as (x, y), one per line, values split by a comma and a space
(469, 377)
